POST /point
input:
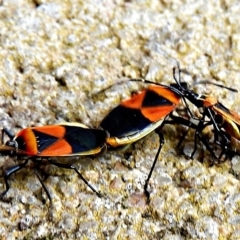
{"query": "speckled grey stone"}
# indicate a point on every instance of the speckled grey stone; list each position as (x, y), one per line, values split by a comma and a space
(56, 58)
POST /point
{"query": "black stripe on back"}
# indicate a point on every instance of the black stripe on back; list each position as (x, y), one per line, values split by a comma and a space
(43, 140)
(84, 139)
(123, 122)
(153, 99)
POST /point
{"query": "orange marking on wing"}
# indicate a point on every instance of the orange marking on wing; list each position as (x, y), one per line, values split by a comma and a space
(209, 101)
(134, 102)
(236, 116)
(59, 148)
(231, 121)
(52, 130)
(30, 141)
(157, 113)
(166, 93)
(233, 116)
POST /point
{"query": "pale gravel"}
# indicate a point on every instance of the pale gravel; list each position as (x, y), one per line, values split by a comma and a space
(54, 59)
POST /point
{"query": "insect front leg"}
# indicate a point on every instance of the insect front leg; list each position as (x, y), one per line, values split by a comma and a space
(9, 172)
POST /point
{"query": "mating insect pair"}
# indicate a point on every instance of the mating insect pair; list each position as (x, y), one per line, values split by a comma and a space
(132, 120)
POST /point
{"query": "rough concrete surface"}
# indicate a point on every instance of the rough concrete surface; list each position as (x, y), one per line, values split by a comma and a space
(57, 56)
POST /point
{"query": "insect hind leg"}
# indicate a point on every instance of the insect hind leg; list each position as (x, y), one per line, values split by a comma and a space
(161, 142)
(68, 166)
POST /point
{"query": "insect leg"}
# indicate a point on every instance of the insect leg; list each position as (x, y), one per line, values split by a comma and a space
(8, 173)
(42, 183)
(67, 166)
(8, 132)
(199, 128)
(161, 142)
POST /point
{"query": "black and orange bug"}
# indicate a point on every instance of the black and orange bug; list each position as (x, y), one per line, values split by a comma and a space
(147, 111)
(225, 122)
(136, 117)
(50, 142)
